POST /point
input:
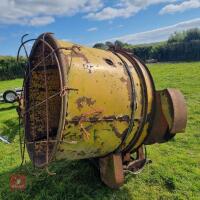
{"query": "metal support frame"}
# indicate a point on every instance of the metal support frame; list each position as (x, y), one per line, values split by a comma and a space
(27, 77)
(114, 166)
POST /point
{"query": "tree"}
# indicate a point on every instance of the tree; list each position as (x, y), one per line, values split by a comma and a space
(100, 46)
(109, 44)
(177, 37)
(192, 34)
(180, 46)
(119, 44)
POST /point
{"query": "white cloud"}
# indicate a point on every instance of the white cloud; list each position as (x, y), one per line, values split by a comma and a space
(157, 35)
(92, 29)
(40, 21)
(181, 7)
(124, 8)
(40, 12)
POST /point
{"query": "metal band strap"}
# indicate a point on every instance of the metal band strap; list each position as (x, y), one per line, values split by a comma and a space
(132, 105)
(144, 101)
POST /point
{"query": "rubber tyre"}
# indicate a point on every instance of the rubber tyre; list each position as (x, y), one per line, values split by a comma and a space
(9, 92)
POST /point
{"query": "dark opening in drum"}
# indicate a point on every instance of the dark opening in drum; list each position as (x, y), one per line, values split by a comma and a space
(42, 102)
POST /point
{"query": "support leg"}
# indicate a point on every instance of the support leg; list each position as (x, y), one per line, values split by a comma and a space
(111, 170)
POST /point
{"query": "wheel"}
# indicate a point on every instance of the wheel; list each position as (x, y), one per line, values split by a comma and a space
(9, 96)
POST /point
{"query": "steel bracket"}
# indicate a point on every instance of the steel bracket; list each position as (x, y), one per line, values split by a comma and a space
(113, 166)
(111, 170)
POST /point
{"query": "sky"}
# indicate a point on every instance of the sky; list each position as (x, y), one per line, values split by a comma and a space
(87, 22)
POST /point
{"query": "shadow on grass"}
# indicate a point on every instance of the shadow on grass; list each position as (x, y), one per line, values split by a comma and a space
(73, 180)
(8, 108)
(10, 129)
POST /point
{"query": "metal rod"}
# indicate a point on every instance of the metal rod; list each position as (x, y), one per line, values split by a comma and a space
(42, 141)
(38, 64)
(36, 105)
(47, 102)
(34, 134)
(47, 98)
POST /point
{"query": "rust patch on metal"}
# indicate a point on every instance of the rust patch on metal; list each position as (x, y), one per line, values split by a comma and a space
(162, 128)
(66, 134)
(75, 53)
(76, 119)
(84, 100)
(122, 79)
(159, 126)
(128, 86)
(116, 131)
(111, 170)
(129, 90)
(178, 110)
(87, 128)
(61, 150)
(81, 153)
(137, 164)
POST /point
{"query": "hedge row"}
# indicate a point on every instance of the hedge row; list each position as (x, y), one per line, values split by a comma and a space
(10, 69)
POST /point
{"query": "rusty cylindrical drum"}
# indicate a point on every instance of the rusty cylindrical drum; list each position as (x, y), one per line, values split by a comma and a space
(82, 102)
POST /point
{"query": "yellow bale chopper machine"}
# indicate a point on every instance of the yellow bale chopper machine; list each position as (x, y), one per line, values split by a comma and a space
(82, 103)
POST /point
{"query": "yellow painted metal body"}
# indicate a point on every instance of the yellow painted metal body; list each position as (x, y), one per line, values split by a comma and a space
(80, 101)
(83, 102)
(101, 90)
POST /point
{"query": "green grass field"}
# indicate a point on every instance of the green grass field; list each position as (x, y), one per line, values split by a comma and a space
(173, 174)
